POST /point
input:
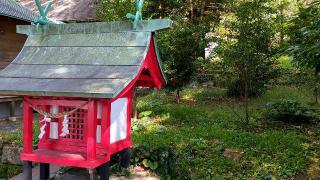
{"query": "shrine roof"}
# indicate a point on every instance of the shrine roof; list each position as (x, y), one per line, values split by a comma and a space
(15, 10)
(93, 60)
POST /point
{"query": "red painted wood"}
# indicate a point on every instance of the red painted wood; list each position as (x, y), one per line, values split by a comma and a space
(77, 137)
(74, 148)
(144, 77)
(27, 128)
(105, 124)
(91, 131)
(129, 113)
(154, 67)
(64, 158)
(150, 65)
(145, 84)
(120, 145)
(49, 102)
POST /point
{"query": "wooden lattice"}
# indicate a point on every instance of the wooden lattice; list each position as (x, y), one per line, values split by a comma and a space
(77, 125)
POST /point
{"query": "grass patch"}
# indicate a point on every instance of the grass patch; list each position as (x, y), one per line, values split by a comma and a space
(9, 170)
(206, 117)
(15, 137)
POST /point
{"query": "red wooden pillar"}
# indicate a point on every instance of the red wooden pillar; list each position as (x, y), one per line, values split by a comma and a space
(27, 128)
(92, 129)
(105, 124)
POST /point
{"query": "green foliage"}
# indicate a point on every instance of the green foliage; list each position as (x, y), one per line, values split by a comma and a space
(256, 88)
(145, 114)
(162, 160)
(111, 10)
(290, 74)
(15, 138)
(291, 111)
(180, 47)
(285, 62)
(304, 35)
(9, 170)
(246, 47)
(200, 132)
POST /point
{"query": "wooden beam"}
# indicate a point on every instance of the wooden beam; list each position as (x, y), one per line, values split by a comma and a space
(105, 124)
(67, 103)
(92, 129)
(27, 128)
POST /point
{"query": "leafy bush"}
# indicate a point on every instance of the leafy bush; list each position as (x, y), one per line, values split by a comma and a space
(258, 80)
(236, 89)
(162, 160)
(291, 111)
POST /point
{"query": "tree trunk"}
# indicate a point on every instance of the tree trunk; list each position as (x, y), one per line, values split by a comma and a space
(203, 6)
(316, 93)
(246, 94)
(191, 9)
(316, 88)
(178, 91)
(161, 8)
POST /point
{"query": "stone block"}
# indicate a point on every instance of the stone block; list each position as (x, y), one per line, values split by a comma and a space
(11, 155)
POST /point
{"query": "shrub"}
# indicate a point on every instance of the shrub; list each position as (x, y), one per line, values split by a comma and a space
(162, 160)
(236, 89)
(291, 111)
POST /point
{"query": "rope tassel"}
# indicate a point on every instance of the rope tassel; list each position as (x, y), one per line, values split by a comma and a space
(65, 126)
(43, 127)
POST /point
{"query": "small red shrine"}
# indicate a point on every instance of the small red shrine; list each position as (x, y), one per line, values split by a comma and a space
(80, 78)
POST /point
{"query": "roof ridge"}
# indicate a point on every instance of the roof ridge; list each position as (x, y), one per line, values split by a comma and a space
(95, 27)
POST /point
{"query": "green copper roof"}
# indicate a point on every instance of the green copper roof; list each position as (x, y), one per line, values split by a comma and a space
(94, 28)
(78, 60)
(13, 9)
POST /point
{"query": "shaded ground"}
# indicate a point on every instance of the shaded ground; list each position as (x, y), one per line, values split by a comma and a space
(78, 174)
(59, 173)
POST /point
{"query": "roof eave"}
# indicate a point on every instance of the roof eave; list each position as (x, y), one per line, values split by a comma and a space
(56, 94)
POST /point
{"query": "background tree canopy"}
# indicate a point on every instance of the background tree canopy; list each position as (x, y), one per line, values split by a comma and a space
(184, 44)
(259, 29)
(251, 96)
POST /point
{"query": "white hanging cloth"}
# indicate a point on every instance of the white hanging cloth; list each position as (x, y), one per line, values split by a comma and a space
(65, 126)
(45, 120)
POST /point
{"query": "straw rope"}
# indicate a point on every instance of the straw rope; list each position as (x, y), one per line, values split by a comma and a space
(58, 115)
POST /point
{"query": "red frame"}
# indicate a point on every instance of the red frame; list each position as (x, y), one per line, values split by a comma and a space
(88, 154)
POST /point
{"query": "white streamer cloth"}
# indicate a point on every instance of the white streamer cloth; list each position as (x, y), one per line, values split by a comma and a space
(65, 126)
(43, 127)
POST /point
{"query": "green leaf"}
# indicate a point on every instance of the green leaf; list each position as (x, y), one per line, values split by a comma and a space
(153, 165)
(145, 114)
(146, 163)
